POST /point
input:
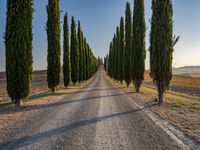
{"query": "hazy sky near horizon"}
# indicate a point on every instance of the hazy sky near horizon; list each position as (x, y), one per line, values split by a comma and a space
(99, 19)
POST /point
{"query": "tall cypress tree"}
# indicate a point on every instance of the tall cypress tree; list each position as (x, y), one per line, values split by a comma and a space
(18, 45)
(106, 63)
(114, 57)
(127, 57)
(87, 61)
(66, 53)
(121, 51)
(161, 45)
(80, 51)
(74, 53)
(84, 58)
(118, 54)
(29, 14)
(110, 63)
(54, 50)
(138, 44)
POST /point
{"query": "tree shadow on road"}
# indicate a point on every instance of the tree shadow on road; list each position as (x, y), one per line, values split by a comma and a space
(48, 93)
(27, 140)
(56, 104)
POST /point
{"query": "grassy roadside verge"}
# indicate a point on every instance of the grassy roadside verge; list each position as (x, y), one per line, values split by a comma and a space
(45, 96)
(181, 110)
(174, 99)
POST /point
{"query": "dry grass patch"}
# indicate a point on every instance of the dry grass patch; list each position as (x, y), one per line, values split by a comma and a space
(181, 110)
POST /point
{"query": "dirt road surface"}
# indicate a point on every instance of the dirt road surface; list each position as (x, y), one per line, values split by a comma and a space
(97, 117)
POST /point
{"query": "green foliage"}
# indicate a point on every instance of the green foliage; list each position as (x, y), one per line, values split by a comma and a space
(106, 63)
(110, 63)
(84, 59)
(117, 54)
(53, 38)
(121, 50)
(87, 61)
(161, 45)
(138, 44)
(80, 40)
(74, 53)
(115, 57)
(18, 45)
(127, 57)
(66, 53)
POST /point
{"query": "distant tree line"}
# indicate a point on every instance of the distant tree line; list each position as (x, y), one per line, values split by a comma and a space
(79, 63)
(127, 52)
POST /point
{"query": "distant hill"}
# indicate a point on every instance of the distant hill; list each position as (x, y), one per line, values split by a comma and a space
(193, 71)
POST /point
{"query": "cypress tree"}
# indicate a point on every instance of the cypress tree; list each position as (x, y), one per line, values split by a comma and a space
(127, 57)
(105, 64)
(29, 18)
(66, 53)
(18, 45)
(87, 61)
(118, 54)
(161, 45)
(84, 59)
(107, 60)
(115, 57)
(74, 53)
(110, 63)
(138, 44)
(121, 51)
(80, 51)
(54, 50)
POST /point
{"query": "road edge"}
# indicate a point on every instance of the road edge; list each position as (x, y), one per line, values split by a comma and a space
(174, 133)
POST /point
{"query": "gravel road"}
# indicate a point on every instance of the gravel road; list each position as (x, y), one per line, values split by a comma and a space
(97, 117)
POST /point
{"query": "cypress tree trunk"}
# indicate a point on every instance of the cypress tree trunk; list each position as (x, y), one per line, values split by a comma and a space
(54, 50)
(160, 92)
(17, 102)
(66, 53)
(138, 44)
(18, 45)
(74, 53)
(161, 45)
(127, 57)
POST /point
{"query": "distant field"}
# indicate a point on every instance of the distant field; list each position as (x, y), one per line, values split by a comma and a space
(180, 83)
(39, 84)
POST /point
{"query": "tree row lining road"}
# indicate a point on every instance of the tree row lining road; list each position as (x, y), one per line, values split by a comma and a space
(97, 117)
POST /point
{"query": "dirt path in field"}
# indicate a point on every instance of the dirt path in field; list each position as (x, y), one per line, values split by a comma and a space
(97, 117)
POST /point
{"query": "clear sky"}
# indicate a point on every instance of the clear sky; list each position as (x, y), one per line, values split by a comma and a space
(99, 19)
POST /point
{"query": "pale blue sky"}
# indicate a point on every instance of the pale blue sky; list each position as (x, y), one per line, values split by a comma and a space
(99, 19)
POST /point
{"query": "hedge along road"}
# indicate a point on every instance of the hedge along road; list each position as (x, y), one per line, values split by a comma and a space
(97, 117)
